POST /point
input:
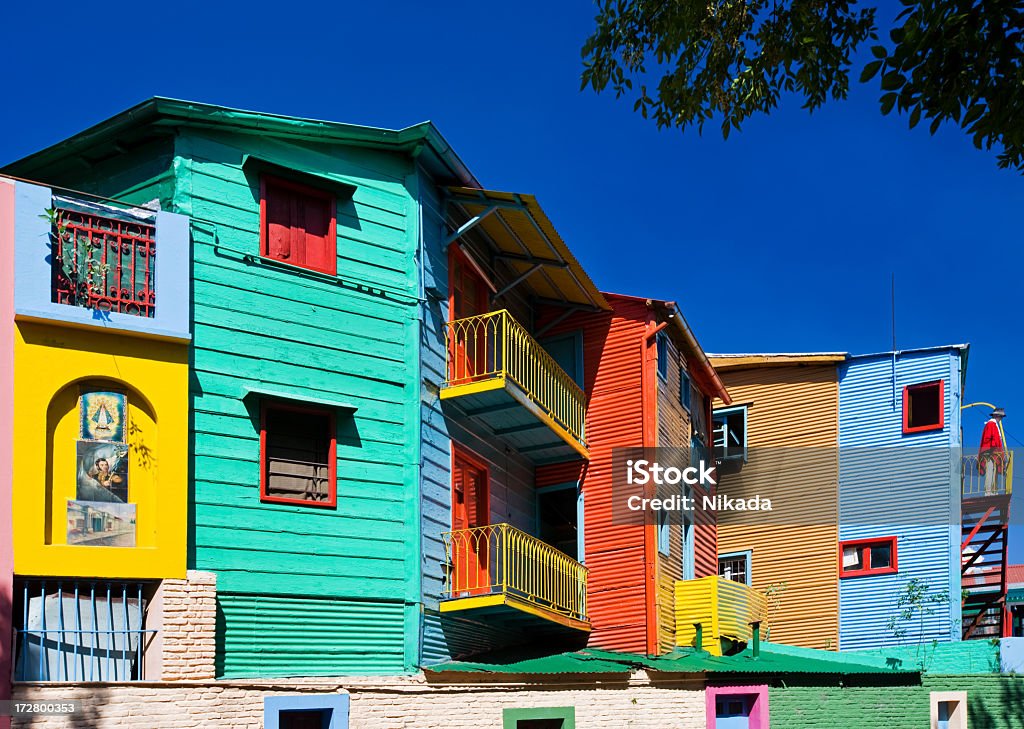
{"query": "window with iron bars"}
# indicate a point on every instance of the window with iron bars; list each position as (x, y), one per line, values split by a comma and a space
(103, 263)
(81, 630)
(735, 567)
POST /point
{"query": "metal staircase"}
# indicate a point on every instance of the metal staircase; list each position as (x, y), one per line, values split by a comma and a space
(985, 517)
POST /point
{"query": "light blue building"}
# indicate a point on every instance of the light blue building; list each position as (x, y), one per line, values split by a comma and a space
(900, 495)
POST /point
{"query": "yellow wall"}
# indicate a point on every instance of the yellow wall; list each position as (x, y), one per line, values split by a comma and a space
(52, 363)
(792, 439)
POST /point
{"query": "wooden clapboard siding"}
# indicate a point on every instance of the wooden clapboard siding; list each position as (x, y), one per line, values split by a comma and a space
(792, 436)
(512, 493)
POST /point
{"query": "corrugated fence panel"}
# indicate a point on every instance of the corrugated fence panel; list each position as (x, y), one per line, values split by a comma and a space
(899, 484)
(261, 635)
(792, 436)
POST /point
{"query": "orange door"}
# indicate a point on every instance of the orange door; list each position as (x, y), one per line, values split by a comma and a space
(471, 545)
(468, 298)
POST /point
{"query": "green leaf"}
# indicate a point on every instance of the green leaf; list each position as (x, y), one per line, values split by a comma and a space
(888, 101)
(915, 116)
(892, 81)
(972, 114)
(870, 70)
(879, 51)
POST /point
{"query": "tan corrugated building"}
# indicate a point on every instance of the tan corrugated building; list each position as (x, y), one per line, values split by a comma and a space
(778, 441)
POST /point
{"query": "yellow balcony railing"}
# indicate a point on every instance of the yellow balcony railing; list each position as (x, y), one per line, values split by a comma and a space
(499, 559)
(993, 476)
(495, 346)
(722, 608)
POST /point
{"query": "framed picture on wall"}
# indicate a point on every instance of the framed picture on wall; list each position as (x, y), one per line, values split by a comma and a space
(102, 472)
(103, 415)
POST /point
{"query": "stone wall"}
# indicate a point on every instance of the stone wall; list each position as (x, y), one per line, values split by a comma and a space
(405, 702)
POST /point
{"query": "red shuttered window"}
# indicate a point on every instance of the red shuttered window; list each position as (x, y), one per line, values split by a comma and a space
(297, 225)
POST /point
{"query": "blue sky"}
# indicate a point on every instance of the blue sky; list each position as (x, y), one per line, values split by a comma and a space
(783, 238)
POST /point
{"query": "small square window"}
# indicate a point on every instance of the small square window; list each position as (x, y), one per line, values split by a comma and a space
(560, 717)
(298, 225)
(735, 566)
(663, 355)
(685, 389)
(948, 709)
(298, 456)
(924, 407)
(731, 434)
(309, 711)
(867, 557)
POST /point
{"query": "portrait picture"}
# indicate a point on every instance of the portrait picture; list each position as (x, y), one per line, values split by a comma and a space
(102, 471)
(103, 416)
(101, 523)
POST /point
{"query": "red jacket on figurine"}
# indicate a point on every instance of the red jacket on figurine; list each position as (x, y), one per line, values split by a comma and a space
(991, 446)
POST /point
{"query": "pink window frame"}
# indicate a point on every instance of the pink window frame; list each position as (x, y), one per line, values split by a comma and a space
(758, 711)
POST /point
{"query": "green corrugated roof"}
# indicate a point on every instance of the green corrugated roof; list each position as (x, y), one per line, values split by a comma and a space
(1015, 595)
(585, 661)
(773, 658)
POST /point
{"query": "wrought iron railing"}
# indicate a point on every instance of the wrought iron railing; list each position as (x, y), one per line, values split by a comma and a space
(80, 630)
(991, 475)
(103, 263)
(500, 559)
(494, 345)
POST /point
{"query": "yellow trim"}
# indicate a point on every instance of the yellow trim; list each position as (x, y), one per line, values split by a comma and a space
(473, 603)
(472, 388)
(773, 360)
(51, 364)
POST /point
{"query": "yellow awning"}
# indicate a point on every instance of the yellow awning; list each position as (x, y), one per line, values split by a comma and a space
(526, 240)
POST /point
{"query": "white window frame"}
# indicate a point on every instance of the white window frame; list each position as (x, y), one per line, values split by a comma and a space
(746, 555)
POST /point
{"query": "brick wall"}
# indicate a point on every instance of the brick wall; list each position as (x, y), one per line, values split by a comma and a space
(405, 702)
(186, 643)
(993, 702)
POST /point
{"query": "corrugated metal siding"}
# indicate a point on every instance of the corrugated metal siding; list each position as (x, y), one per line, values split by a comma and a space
(615, 552)
(262, 635)
(673, 432)
(907, 485)
(792, 432)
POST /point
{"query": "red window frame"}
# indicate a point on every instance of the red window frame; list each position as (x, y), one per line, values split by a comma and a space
(865, 545)
(942, 406)
(332, 227)
(332, 457)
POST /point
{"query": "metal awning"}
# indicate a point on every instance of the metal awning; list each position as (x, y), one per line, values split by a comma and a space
(527, 243)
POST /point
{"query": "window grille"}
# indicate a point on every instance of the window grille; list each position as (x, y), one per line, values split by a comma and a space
(80, 630)
(104, 263)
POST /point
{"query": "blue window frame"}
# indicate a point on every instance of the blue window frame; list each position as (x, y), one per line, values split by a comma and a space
(566, 489)
(735, 566)
(730, 427)
(305, 711)
(662, 355)
(685, 390)
(664, 533)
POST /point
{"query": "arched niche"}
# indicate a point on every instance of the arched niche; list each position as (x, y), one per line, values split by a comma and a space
(63, 433)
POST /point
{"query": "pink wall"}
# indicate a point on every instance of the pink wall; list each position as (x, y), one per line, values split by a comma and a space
(759, 710)
(6, 436)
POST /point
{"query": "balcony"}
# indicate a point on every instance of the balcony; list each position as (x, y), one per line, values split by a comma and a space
(503, 378)
(97, 265)
(511, 577)
(713, 613)
(998, 482)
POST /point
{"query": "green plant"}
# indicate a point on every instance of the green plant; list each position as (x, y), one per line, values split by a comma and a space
(915, 603)
(77, 257)
(773, 596)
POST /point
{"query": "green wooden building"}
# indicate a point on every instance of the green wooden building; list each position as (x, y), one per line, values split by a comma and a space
(305, 377)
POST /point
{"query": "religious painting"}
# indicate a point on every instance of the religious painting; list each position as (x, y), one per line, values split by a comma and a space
(103, 416)
(102, 471)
